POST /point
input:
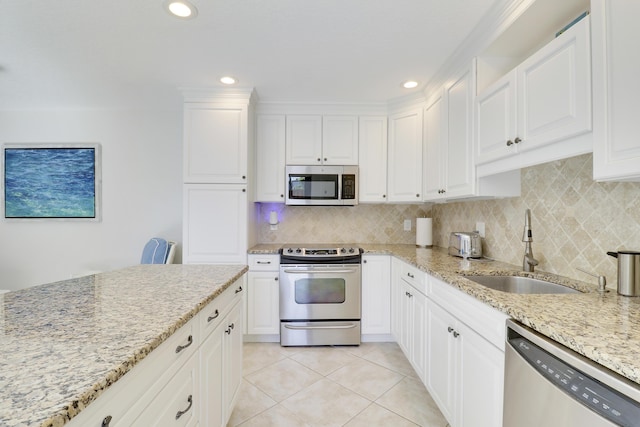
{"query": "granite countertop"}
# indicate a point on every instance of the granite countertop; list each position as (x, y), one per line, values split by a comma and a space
(63, 344)
(602, 327)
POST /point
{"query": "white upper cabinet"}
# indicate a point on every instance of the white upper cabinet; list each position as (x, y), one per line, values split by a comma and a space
(270, 158)
(460, 163)
(318, 140)
(404, 181)
(616, 90)
(215, 143)
(435, 148)
(543, 102)
(373, 159)
(340, 140)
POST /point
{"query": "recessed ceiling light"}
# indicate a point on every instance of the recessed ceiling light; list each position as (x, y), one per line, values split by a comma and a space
(228, 80)
(410, 84)
(181, 9)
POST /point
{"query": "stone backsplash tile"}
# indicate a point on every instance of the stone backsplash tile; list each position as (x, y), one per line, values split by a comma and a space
(341, 224)
(575, 220)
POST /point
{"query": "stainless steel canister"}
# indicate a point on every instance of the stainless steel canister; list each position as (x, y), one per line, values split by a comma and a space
(628, 272)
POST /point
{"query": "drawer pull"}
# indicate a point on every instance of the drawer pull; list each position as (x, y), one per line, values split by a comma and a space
(215, 316)
(411, 275)
(228, 331)
(450, 329)
(181, 413)
(456, 334)
(263, 262)
(182, 347)
(106, 421)
(232, 325)
(239, 290)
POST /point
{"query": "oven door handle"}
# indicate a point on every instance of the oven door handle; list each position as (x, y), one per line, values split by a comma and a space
(328, 271)
(345, 326)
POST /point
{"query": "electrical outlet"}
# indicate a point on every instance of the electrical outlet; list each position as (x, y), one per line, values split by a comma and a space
(480, 228)
(407, 225)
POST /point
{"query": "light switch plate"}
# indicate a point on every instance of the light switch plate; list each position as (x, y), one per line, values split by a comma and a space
(407, 225)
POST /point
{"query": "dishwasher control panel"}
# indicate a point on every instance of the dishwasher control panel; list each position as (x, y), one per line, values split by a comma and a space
(600, 398)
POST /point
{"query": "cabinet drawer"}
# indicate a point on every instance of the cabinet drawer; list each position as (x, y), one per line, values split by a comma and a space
(414, 277)
(264, 262)
(214, 312)
(177, 403)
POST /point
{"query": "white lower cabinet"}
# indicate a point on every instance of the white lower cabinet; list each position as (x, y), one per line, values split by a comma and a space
(376, 294)
(191, 379)
(263, 299)
(465, 367)
(410, 317)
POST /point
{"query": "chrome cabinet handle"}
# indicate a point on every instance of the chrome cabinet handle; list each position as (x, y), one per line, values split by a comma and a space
(182, 347)
(215, 316)
(239, 290)
(181, 413)
(106, 421)
(517, 141)
(509, 143)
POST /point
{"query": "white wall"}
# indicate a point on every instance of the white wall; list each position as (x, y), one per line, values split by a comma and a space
(141, 194)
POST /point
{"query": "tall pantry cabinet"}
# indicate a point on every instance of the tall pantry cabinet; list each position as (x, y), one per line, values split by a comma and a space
(218, 178)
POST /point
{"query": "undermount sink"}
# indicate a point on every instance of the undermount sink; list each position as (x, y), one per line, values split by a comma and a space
(521, 285)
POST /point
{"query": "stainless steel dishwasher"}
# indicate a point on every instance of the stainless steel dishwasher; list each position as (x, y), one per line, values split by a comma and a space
(547, 384)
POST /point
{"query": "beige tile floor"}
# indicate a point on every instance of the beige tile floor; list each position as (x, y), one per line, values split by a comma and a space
(370, 385)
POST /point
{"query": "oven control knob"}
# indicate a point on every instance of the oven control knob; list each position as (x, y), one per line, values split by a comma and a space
(343, 250)
(290, 250)
(298, 250)
(350, 250)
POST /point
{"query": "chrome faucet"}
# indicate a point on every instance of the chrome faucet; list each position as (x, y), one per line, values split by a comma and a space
(529, 262)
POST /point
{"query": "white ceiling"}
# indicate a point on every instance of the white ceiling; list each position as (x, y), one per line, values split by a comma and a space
(106, 53)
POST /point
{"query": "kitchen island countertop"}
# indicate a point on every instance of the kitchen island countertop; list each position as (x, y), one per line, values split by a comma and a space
(602, 327)
(62, 344)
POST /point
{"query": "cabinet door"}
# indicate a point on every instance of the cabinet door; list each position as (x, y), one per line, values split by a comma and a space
(215, 224)
(215, 144)
(211, 373)
(304, 140)
(270, 158)
(178, 402)
(460, 168)
(340, 140)
(376, 294)
(480, 394)
(373, 159)
(441, 360)
(496, 120)
(418, 338)
(616, 149)
(435, 147)
(263, 313)
(405, 328)
(232, 358)
(405, 157)
(554, 89)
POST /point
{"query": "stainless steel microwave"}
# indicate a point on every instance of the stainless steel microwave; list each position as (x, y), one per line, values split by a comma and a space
(322, 185)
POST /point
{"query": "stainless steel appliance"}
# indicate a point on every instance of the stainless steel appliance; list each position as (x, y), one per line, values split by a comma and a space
(547, 384)
(320, 295)
(322, 185)
(628, 272)
(465, 244)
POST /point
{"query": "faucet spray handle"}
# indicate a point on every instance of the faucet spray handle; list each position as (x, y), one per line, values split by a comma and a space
(527, 236)
(602, 280)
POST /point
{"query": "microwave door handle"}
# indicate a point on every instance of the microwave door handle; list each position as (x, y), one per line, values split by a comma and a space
(289, 271)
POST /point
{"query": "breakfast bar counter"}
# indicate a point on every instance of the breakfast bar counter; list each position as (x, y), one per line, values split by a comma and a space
(63, 344)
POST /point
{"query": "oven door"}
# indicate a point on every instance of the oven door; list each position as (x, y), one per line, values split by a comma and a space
(320, 292)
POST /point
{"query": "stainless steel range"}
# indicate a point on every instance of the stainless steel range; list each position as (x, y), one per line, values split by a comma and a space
(320, 293)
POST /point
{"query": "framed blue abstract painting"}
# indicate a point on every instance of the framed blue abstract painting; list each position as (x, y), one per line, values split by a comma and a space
(52, 181)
